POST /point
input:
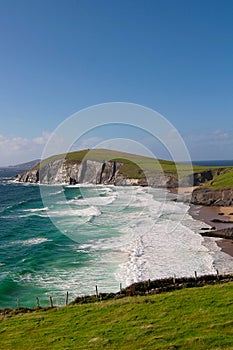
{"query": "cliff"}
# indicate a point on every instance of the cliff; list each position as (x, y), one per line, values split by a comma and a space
(120, 169)
(59, 171)
(218, 191)
(209, 196)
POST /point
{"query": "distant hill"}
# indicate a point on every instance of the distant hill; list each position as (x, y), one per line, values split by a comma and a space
(13, 170)
(23, 166)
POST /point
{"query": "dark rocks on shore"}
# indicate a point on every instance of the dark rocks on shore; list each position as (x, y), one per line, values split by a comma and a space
(208, 228)
(223, 221)
(226, 233)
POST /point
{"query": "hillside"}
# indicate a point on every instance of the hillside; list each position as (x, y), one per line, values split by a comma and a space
(198, 318)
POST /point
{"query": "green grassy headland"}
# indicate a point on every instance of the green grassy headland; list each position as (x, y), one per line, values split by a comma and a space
(198, 318)
(132, 166)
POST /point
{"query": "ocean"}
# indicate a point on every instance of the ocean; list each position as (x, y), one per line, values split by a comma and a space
(55, 239)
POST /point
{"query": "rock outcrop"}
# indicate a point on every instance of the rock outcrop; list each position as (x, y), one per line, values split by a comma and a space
(208, 196)
(58, 171)
(226, 233)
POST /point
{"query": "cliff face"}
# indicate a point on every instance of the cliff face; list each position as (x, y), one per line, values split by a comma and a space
(93, 172)
(58, 171)
(207, 196)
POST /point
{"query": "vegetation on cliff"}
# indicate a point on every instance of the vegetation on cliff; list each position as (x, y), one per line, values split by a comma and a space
(223, 181)
(131, 163)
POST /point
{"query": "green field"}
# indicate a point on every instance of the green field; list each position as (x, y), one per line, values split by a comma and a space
(198, 318)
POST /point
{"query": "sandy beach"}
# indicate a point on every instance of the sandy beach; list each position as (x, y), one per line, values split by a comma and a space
(182, 190)
(207, 214)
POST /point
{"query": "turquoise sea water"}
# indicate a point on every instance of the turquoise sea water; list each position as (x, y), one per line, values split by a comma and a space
(80, 237)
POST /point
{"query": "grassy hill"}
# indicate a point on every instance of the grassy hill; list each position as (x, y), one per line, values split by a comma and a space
(198, 318)
(223, 181)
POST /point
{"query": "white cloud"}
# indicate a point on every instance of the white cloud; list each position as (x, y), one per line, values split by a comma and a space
(15, 150)
(202, 145)
(41, 140)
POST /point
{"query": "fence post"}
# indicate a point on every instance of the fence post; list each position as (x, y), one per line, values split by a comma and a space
(174, 279)
(37, 302)
(51, 302)
(67, 298)
(96, 291)
(195, 272)
(217, 274)
(120, 288)
(148, 285)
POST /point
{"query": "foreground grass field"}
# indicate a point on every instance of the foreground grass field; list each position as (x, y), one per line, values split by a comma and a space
(198, 318)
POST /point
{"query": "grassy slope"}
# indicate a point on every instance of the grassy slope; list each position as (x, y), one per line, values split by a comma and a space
(223, 181)
(199, 318)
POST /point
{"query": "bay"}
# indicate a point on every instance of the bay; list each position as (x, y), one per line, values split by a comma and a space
(55, 239)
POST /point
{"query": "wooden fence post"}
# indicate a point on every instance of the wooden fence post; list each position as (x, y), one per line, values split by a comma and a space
(148, 285)
(96, 291)
(37, 302)
(51, 302)
(67, 298)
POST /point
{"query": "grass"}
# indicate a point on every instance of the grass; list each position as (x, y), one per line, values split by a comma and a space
(198, 318)
(223, 181)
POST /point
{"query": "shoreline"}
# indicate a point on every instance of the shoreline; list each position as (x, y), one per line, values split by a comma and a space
(222, 216)
(207, 214)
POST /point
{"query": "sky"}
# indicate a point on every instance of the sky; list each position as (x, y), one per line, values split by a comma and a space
(58, 57)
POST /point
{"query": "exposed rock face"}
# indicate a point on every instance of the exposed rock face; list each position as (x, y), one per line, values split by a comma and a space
(200, 178)
(94, 172)
(58, 171)
(197, 179)
(206, 196)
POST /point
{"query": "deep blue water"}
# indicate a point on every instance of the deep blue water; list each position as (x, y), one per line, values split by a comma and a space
(214, 162)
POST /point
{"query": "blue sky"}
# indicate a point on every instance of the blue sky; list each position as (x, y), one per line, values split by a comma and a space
(60, 56)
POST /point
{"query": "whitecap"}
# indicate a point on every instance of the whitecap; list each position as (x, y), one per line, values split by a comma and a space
(31, 241)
